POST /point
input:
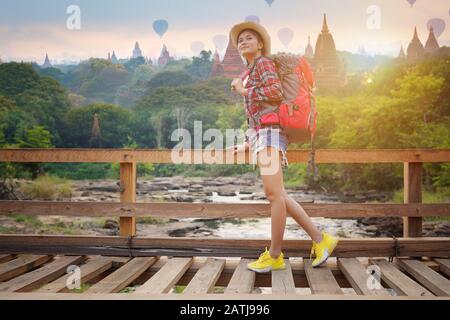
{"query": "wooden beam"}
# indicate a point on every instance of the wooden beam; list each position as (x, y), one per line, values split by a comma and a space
(250, 248)
(20, 265)
(36, 278)
(242, 280)
(205, 278)
(358, 277)
(412, 193)
(226, 297)
(167, 277)
(6, 257)
(123, 276)
(321, 280)
(91, 269)
(283, 280)
(444, 265)
(432, 280)
(127, 194)
(216, 210)
(398, 281)
(220, 156)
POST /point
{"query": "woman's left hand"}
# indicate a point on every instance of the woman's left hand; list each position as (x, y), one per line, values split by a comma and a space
(238, 86)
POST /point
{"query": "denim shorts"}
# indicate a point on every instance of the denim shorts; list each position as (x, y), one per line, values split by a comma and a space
(264, 137)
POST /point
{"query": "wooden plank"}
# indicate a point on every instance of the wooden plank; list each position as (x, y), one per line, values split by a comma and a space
(20, 265)
(205, 279)
(432, 280)
(127, 194)
(320, 279)
(261, 280)
(242, 280)
(6, 257)
(215, 247)
(358, 276)
(167, 277)
(444, 265)
(216, 210)
(398, 281)
(222, 297)
(123, 276)
(36, 278)
(283, 280)
(88, 271)
(165, 156)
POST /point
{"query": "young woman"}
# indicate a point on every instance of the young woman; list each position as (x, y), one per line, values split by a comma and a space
(262, 92)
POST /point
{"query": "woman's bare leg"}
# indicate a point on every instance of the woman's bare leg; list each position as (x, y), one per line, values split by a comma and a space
(272, 177)
(296, 211)
(269, 163)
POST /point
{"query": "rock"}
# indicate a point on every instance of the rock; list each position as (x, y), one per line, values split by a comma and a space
(247, 198)
(182, 198)
(102, 188)
(85, 194)
(226, 193)
(111, 224)
(181, 232)
(383, 226)
(373, 229)
(440, 230)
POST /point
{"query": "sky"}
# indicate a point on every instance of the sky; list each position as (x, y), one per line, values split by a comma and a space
(29, 29)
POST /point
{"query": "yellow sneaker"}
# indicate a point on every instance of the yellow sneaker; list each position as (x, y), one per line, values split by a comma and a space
(323, 249)
(266, 263)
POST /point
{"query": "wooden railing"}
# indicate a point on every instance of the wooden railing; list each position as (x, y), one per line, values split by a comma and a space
(412, 210)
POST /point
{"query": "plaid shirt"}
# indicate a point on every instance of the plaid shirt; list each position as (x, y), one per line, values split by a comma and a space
(263, 85)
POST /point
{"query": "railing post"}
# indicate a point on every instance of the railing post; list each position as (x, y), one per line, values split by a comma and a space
(127, 194)
(412, 186)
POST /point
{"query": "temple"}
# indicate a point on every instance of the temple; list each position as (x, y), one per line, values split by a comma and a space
(401, 54)
(431, 45)
(47, 63)
(137, 51)
(165, 57)
(217, 67)
(329, 69)
(232, 65)
(309, 52)
(415, 49)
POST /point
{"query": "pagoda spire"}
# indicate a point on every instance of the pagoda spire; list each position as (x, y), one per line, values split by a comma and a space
(415, 47)
(47, 63)
(309, 52)
(401, 54)
(325, 24)
(431, 45)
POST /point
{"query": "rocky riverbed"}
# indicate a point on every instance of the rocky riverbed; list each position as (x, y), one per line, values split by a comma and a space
(242, 189)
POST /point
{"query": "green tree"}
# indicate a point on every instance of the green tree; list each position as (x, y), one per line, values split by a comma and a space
(114, 122)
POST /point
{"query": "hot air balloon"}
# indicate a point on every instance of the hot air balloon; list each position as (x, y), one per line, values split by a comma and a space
(252, 19)
(285, 35)
(160, 27)
(438, 26)
(220, 41)
(197, 47)
(269, 2)
(411, 2)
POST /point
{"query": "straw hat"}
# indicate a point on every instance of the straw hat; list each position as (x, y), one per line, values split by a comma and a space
(238, 28)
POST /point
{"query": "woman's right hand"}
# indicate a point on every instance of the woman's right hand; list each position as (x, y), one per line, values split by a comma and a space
(239, 148)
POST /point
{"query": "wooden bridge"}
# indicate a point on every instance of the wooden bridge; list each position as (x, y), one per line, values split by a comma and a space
(133, 267)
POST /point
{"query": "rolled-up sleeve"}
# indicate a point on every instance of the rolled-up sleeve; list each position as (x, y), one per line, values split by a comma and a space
(272, 89)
